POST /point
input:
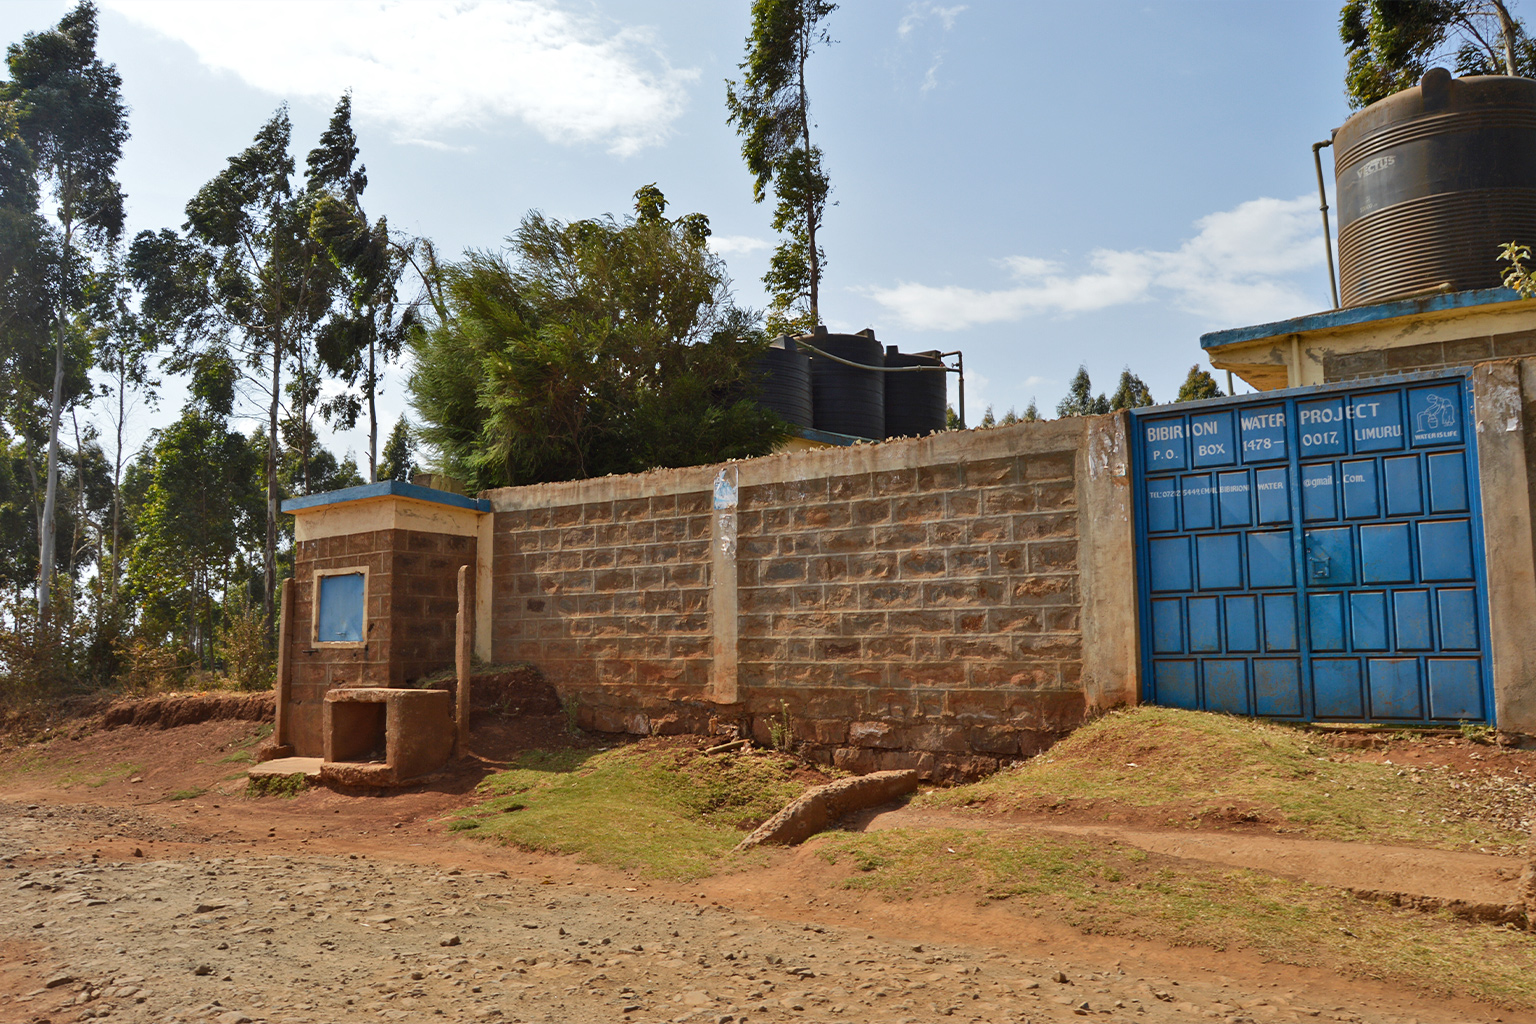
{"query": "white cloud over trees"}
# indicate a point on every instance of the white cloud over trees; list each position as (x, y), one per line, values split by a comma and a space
(424, 69)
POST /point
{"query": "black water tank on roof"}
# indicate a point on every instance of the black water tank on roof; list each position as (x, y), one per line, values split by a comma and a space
(1431, 182)
(848, 399)
(914, 399)
(786, 382)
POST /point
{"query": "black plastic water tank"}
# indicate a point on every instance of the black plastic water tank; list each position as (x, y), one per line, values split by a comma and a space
(914, 400)
(785, 383)
(1431, 182)
(848, 399)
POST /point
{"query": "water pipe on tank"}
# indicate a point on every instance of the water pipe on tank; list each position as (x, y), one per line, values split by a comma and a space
(1322, 199)
(960, 369)
(959, 359)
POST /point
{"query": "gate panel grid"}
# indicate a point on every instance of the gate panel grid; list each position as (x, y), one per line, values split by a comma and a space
(1314, 554)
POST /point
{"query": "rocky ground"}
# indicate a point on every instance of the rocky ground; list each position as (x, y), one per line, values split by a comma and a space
(119, 901)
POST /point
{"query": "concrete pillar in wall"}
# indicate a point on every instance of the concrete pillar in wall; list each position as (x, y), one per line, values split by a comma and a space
(485, 551)
(723, 608)
(1107, 541)
(1501, 391)
(463, 628)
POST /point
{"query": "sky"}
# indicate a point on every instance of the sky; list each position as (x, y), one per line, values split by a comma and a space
(1039, 185)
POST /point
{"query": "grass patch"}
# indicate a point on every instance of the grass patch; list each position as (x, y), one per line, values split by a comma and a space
(96, 778)
(1195, 765)
(1112, 889)
(669, 812)
(287, 786)
(188, 794)
(244, 750)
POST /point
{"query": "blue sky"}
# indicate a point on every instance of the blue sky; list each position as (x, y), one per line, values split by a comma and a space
(1038, 184)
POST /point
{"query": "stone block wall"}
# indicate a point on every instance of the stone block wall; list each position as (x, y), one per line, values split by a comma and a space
(608, 595)
(928, 608)
(945, 603)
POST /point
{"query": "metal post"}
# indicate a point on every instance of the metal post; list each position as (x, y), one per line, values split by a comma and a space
(959, 369)
(1322, 199)
(960, 363)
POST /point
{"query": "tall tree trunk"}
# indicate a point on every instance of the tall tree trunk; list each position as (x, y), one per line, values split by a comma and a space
(373, 416)
(810, 203)
(304, 442)
(1507, 35)
(37, 511)
(269, 549)
(48, 538)
(77, 540)
(47, 530)
(117, 488)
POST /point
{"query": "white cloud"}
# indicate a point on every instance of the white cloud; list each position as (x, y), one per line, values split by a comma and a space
(920, 12)
(441, 147)
(917, 13)
(931, 79)
(425, 68)
(1238, 268)
(1030, 266)
(736, 245)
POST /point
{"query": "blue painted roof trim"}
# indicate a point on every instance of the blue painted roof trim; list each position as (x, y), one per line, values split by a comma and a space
(1360, 315)
(385, 489)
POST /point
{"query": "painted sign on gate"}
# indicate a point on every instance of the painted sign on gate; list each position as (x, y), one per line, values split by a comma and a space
(1314, 554)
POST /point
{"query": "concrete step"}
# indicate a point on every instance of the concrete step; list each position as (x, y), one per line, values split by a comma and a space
(309, 767)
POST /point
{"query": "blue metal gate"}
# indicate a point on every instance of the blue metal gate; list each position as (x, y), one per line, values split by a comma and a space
(1314, 554)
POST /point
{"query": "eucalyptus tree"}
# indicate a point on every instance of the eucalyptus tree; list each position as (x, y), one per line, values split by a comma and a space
(24, 247)
(399, 454)
(199, 506)
(70, 116)
(1198, 385)
(124, 350)
(1132, 392)
(373, 323)
(247, 275)
(18, 527)
(1080, 400)
(771, 111)
(1389, 44)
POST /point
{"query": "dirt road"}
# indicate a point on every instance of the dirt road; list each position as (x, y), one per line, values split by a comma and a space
(232, 935)
(125, 898)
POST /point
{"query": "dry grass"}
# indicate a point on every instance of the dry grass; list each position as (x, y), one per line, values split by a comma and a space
(1193, 766)
(1112, 889)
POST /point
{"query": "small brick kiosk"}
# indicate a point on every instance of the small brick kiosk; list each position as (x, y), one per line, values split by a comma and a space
(372, 595)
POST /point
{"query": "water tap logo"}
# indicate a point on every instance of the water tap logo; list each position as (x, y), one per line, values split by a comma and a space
(1436, 419)
(725, 488)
